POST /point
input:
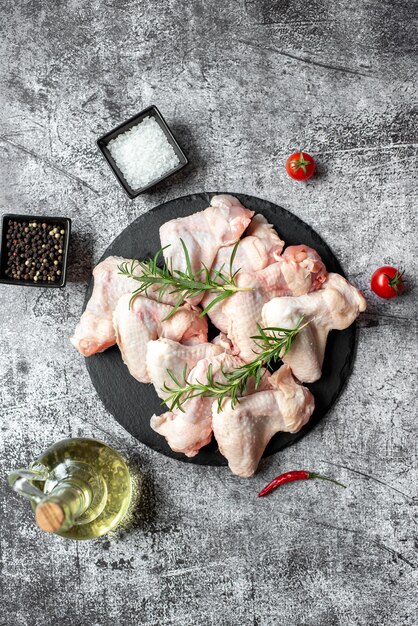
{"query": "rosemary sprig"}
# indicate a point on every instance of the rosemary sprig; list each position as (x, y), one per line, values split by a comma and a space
(187, 284)
(274, 344)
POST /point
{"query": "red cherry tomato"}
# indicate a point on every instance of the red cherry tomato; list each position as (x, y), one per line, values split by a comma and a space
(300, 166)
(387, 282)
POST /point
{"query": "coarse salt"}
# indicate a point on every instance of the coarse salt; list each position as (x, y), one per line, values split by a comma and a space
(143, 153)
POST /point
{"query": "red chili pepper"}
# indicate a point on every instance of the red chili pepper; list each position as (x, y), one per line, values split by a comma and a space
(290, 477)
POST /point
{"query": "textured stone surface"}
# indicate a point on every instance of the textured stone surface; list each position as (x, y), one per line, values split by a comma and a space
(241, 84)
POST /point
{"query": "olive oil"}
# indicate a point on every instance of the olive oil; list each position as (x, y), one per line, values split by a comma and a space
(79, 488)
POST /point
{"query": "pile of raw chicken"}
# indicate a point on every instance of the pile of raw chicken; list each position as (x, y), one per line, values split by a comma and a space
(285, 285)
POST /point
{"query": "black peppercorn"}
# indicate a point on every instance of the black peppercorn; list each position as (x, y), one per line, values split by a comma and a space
(34, 251)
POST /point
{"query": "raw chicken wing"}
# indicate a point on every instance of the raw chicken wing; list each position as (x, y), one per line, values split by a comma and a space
(268, 238)
(259, 248)
(204, 233)
(95, 333)
(243, 432)
(144, 321)
(166, 354)
(190, 430)
(335, 306)
(299, 270)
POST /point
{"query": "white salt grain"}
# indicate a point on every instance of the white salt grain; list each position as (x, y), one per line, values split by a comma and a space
(143, 153)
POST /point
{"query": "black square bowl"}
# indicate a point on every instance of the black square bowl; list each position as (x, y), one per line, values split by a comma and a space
(65, 224)
(103, 142)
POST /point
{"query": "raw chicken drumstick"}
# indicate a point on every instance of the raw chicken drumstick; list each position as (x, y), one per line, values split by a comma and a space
(144, 322)
(203, 233)
(335, 306)
(243, 432)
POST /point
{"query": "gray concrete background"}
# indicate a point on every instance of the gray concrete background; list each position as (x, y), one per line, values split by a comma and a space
(242, 83)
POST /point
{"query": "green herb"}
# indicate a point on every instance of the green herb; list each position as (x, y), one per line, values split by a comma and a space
(186, 284)
(274, 344)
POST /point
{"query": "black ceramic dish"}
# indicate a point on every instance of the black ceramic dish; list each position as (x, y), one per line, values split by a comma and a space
(64, 222)
(150, 111)
(133, 403)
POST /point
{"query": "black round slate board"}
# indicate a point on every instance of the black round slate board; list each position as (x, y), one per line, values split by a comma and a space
(132, 403)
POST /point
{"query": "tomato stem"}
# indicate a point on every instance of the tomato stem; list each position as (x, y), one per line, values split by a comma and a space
(300, 163)
(395, 281)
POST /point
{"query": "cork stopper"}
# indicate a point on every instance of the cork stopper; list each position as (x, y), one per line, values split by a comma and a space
(49, 516)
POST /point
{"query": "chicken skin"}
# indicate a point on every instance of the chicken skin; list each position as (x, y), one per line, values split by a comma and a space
(243, 432)
(94, 332)
(165, 355)
(189, 430)
(258, 249)
(299, 270)
(334, 306)
(204, 233)
(143, 321)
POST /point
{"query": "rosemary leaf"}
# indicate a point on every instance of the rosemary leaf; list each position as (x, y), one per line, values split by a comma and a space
(186, 284)
(274, 343)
